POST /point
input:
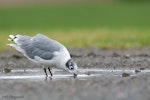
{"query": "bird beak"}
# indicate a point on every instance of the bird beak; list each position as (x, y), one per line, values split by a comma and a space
(75, 75)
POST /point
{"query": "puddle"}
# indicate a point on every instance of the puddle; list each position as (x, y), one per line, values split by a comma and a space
(38, 74)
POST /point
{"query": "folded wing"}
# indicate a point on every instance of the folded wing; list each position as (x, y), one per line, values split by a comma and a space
(38, 45)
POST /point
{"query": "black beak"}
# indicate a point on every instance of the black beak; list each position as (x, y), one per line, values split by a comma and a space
(75, 75)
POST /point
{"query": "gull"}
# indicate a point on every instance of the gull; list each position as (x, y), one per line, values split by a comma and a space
(44, 51)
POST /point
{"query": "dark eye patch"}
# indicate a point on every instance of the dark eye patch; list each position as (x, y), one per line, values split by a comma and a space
(70, 64)
(71, 67)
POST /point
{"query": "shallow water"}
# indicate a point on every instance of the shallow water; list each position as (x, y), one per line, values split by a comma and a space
(38, 74)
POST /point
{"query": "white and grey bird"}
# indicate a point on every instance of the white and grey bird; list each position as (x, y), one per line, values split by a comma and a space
(44, 51)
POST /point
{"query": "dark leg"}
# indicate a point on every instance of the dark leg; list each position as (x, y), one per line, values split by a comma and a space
(50, 71)
(45, 72)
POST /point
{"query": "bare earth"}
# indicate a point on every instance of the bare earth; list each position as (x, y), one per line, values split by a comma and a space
(98, 88)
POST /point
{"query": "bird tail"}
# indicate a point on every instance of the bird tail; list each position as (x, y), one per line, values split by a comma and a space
(13, 38)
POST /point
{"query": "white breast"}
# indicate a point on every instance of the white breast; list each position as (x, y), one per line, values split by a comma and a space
(61, 58)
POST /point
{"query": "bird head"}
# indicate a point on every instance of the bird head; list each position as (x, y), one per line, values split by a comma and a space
(71, 67)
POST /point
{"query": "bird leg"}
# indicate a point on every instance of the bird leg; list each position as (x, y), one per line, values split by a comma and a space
(45, 72)
(50, 71)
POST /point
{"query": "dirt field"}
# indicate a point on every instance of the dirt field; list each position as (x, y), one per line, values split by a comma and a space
(98, 88)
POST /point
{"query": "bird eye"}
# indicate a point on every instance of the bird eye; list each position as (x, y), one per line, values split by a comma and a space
(71, 67)
(70, 64)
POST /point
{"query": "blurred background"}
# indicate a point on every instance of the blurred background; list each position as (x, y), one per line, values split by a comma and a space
(112, 24)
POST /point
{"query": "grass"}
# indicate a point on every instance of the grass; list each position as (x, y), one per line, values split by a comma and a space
(82, 25)
(75, 16)
(102, 38)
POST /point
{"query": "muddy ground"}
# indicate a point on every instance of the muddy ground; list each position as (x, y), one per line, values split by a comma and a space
(98, 88)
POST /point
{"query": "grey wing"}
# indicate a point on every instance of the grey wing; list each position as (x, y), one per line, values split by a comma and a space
(42, 47)
(31, 51)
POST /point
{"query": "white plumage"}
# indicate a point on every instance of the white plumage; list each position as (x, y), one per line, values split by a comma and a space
(45, 51)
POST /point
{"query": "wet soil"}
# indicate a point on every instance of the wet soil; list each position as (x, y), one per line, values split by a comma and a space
(125, 87)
